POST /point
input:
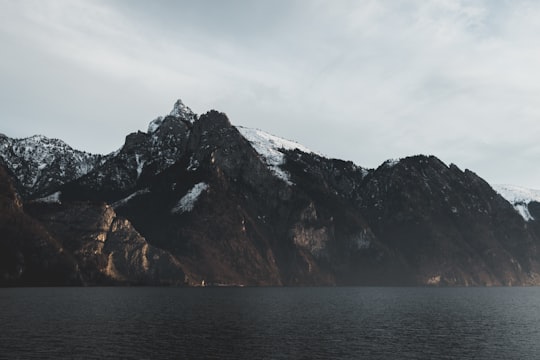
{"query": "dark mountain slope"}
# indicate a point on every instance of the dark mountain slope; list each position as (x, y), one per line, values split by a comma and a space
(29, 255)
(449, 225)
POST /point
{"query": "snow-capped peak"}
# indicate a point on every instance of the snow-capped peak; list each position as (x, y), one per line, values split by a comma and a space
(519, 197)
(181, 110)
(271, 148)
(41, 163)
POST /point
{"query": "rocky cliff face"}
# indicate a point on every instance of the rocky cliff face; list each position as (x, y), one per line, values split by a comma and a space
(106, 248)
(75, 244)
(197, 199)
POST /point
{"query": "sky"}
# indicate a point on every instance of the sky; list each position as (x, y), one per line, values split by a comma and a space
(358, 80)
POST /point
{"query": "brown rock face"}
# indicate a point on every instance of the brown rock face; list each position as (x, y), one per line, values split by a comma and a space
(29, 255)
(107, 248)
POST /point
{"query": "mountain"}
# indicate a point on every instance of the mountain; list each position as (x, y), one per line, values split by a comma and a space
(197, 200)
(42, 164)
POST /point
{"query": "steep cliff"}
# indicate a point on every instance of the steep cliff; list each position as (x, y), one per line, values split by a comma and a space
(106, 248)
(75, 244)
(29, 255)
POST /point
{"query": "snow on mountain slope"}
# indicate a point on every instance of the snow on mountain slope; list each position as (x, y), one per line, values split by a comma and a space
(187, 202)
(519, 197)
(271, 148)
(126, 200)
(40, 163)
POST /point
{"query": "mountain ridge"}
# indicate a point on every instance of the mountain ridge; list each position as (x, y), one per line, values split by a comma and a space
(229, 205)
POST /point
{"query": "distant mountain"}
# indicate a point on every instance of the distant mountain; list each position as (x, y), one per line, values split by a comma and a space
(195, 199)
(42, 164)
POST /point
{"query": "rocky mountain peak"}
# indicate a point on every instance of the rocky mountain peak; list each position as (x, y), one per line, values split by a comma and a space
(179, 112)
(182, 111)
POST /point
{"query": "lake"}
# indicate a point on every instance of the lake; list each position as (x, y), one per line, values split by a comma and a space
(270, 323)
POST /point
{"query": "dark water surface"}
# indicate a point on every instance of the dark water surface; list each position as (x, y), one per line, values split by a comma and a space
(270, 323)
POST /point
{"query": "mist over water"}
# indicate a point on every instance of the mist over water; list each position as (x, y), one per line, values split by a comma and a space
(270, 323)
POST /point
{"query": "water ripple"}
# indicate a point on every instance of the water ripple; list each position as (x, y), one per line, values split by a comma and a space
(270, 323)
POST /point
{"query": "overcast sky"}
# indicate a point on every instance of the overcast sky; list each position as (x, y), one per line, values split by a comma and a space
(358, 80)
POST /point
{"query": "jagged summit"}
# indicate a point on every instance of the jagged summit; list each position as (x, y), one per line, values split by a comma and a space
(43, 163)
(179, 111)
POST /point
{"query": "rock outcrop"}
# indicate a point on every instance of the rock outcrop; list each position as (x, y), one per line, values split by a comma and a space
(29, 255)
(106, 248)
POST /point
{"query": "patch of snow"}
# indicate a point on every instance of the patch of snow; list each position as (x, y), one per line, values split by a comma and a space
(140, 164)
(154, 124)
(365, 172)
(515, 194)
(391, 162)
(523, 210)
(519, 197)
(187, 202)
(271, 149)
(259, 136)
(128, 198)
(51, 199)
